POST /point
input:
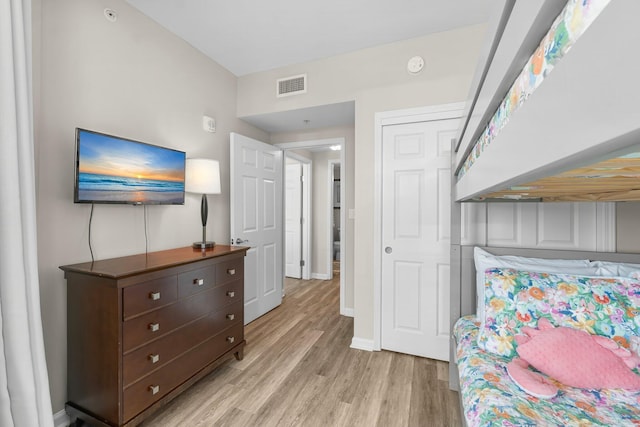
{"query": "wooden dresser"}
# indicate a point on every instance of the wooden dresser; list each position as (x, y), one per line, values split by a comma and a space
(143, 328)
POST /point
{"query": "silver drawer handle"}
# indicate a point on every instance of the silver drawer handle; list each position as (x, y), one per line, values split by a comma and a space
(153, 327)
(230, 340)
(231, 294)
(231, 271)
(154, 389)
(198, 282)
(231, 316)
(154, 296)
(154, 358)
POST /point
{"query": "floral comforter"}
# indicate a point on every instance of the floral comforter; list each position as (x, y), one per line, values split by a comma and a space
(491, 398)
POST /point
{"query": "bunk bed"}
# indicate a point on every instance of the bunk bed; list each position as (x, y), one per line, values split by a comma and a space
(582, 111)
(553, 115)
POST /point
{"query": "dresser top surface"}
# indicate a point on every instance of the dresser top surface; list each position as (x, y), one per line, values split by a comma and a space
(130, 265)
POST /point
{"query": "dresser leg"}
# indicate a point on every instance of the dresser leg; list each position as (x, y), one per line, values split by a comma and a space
(239, 354)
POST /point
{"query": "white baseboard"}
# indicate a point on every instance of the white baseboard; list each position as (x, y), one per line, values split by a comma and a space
(347, 312)
(320, 276)
(61, 419)
(362, 344)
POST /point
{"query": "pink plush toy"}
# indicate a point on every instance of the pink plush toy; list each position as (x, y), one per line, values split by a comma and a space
(573, 357)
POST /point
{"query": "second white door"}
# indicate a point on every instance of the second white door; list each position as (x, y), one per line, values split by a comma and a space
(256, 221)
(293, 219)
(415, 237)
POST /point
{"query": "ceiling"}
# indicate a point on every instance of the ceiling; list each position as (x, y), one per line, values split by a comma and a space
(248, 36)
(323, 116)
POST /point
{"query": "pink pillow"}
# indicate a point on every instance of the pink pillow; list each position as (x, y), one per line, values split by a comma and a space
(578, 359)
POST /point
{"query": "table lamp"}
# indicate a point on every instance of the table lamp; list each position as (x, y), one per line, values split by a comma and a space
(202, 176)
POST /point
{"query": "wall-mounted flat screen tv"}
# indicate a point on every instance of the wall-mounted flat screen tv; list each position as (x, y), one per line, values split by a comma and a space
(110, 169)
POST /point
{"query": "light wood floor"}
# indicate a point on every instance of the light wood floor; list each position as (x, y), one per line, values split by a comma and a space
(298, 370)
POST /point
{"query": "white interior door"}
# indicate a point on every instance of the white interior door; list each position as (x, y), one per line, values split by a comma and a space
(256, 221)
(415, 237)
(293, 218)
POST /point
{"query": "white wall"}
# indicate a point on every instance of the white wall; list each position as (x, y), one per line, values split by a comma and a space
(134, 79)
(453, 61)
(377, 80)
(448, 56)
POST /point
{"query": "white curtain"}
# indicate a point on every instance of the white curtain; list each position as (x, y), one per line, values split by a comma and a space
(24, 385)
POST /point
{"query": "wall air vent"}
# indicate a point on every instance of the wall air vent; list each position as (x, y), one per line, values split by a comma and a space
(293, 85)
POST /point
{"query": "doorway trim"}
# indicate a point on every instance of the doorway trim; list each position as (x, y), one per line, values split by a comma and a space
(320, 143)
(387, 118)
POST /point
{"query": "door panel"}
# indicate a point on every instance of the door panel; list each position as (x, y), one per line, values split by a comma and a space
(415, 236)
(256, 219)
(250, 196)
(251, 276)
(407, 296)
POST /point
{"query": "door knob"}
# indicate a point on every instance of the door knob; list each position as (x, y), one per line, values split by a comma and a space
(388, 249)
(240, 241)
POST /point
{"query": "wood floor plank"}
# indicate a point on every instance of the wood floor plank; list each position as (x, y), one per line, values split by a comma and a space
(299, 370)
(294, 415)
(262, 339)
(232, 418)
(371, 390)
(395, 407)
(274, 376)
(355, 364)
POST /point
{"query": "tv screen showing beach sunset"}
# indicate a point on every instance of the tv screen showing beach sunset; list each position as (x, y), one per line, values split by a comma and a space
(116, 170)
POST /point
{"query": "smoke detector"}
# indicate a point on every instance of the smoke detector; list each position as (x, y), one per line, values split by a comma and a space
(415, 64)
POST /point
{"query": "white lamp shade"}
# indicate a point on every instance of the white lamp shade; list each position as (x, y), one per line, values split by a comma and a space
(202, 176)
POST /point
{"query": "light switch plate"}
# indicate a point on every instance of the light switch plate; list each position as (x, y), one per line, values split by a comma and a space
(208, 124)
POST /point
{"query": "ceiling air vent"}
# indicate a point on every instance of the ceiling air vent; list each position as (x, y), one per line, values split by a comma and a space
(294, 85)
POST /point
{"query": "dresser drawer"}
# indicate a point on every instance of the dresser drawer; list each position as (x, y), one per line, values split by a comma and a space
(149, 295)
(157, 323)
(225, 341)
(194, 281)
(158, 353)
(230, 271)
(145, 392)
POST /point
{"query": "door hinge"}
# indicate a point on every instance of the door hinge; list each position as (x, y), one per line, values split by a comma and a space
(301, 263)
(301, 178)
(301, 221)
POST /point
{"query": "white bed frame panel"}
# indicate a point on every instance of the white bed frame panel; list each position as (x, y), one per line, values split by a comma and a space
(586, 110)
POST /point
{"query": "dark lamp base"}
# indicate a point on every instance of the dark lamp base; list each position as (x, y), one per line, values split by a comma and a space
(203, 245)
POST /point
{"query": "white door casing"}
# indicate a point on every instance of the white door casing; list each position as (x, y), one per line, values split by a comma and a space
(293, 218)
(415, 235)
(256, 219)
(307, 168)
